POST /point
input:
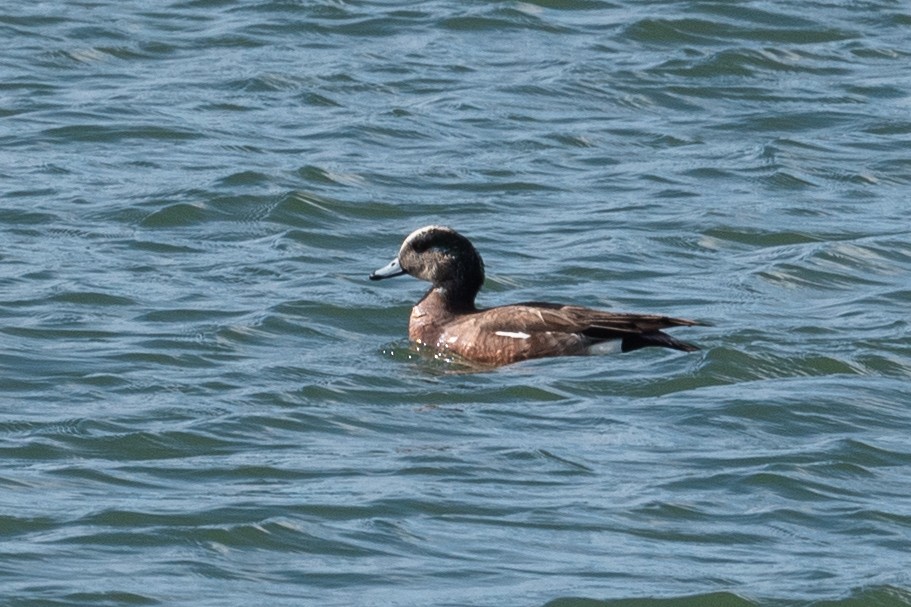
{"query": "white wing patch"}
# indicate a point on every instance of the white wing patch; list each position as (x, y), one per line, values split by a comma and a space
(513, 334)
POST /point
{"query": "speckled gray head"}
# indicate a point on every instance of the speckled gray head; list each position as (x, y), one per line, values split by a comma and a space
(439, 255)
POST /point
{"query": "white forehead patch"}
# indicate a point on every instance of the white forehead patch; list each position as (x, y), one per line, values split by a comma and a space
(513, 334)
(421, 231)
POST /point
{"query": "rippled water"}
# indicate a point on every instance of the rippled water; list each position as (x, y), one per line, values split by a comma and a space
(203, 401)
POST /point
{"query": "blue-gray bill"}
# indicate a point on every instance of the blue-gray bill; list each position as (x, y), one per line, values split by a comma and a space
(388, 271)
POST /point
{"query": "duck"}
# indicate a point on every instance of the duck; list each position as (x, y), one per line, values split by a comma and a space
(447, 319)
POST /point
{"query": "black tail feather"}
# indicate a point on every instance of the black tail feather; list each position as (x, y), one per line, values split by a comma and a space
(663, 340)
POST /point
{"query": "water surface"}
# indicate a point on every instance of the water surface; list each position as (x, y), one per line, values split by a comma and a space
(203, 401)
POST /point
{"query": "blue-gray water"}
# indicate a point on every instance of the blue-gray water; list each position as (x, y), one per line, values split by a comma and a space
(204, 402)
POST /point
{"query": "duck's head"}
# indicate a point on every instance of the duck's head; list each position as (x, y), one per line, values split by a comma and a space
(442, 257)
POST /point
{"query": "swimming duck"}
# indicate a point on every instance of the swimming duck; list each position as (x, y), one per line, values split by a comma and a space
(447, 319)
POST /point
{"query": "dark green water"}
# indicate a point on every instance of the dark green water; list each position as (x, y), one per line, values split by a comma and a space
(203, 401)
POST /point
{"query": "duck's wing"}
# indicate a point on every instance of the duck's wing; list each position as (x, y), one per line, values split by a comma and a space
(636, 330)
(539, 316)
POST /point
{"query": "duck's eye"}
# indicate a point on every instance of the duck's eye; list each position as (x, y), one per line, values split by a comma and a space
(426, 247)
(421, 244)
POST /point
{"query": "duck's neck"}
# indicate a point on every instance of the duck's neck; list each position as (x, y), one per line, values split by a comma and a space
(449, 300)
(460, 291)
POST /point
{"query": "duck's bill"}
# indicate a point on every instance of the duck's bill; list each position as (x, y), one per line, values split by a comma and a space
(388, 271)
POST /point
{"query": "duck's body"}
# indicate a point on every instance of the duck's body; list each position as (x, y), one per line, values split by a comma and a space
(447, 319)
